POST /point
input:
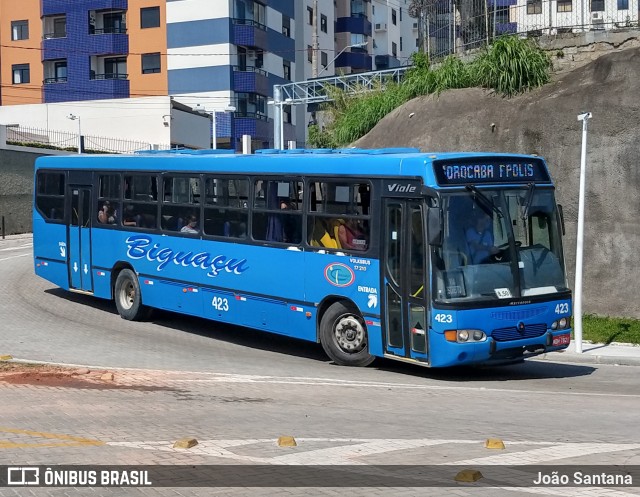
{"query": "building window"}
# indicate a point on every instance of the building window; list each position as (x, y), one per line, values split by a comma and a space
(114, 23)
(623, 4)
(21, 74)
(310, 15)
(115, 68)
(597, 5)
(393, 17)
(565, 5)
(54, 27)
(309, 53)
(286, 70)
(286, 26)
(150, 17)
(394, 49)
(19, 30)
(323, 23)
(286, 113)
(400, 14)
(150, 63)
(323, 59)
(401, 43)
(534, 6)
(60, 69)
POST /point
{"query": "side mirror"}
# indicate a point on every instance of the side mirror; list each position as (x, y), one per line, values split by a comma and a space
(434, 226)
(561, 216)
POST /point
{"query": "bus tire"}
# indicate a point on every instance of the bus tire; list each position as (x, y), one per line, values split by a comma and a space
(128, 298)
(343, 335)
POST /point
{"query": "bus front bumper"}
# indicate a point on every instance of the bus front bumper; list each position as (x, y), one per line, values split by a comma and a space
(492, 352)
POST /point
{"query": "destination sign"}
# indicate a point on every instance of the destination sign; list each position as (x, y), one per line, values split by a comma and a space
(490, 170)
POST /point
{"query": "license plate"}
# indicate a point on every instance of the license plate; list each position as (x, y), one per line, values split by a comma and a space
(561, 340)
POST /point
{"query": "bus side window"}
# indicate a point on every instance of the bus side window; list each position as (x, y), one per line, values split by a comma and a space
(226, 207)
(342, 221)
(277, 216)
(50, 195)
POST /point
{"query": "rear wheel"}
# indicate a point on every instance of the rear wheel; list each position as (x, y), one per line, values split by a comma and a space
(128, 297)
(343, 335)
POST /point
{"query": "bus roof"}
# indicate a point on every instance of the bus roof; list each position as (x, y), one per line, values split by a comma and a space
(337, 162)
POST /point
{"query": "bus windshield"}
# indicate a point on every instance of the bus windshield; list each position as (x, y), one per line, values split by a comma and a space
(499, 244)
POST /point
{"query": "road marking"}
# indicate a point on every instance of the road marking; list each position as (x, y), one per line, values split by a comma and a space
(546, 454)
(14, 257)
(167, 377)
(19, 247)
(70, 440)
(347, 452)
(283, 380)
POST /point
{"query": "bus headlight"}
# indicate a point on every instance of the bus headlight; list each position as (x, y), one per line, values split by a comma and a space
(561, 323)
(465, 336)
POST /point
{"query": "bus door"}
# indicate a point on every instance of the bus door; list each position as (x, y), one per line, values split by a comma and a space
(406, 291)
(79, 242)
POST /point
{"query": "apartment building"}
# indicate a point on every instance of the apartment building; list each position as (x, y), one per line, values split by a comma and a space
(217, 57)
(555, 16)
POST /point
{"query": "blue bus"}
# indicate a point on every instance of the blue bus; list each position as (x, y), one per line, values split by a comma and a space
(440, 259)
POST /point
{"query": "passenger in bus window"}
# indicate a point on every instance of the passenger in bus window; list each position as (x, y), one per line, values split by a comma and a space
(350, 235)
(130, 218)
(480, 239)
(107, 214)
(191, 226)
(290, 224)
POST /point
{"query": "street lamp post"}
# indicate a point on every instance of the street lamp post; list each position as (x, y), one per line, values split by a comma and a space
(77, 118)
(278, 118)
(214, 134)
(577, 307)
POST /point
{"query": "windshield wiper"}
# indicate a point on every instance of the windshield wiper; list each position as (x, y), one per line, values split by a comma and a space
(527, 205)
(482, 200)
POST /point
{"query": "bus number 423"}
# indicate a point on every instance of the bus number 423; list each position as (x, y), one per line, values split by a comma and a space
(562, 308)
(220, 304)
(443, 318)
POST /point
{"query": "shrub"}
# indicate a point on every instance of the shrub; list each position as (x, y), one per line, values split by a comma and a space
(512, 65)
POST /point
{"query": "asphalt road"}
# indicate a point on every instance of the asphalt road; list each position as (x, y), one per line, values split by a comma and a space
(238, 390)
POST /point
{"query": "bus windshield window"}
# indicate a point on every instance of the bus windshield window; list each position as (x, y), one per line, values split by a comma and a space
(499, 244)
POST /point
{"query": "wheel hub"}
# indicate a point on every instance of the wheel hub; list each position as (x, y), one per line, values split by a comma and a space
(350, 334)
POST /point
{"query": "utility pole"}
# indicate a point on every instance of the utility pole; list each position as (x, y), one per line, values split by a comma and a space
(314, 41)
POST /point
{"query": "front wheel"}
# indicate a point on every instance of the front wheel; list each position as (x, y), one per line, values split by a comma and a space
(343, 336)
(128, 297)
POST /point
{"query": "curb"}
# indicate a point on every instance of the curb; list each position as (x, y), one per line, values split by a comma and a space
(588, 359)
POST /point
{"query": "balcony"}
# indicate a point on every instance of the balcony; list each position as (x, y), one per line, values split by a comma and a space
(250, 79)
(386, 62)
(109, 76)
(248, 33)
(356, 25)
(354, 60)
(50, 81)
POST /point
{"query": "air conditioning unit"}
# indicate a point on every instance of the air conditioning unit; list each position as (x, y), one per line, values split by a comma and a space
(381, 26)
(597, 16)
(415, 25)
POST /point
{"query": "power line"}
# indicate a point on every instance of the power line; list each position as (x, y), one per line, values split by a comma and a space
(206, 54)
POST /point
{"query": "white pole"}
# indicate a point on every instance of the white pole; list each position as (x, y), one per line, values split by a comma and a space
(214, 136)
(79, 137)
(281, 125)
(577, 306)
